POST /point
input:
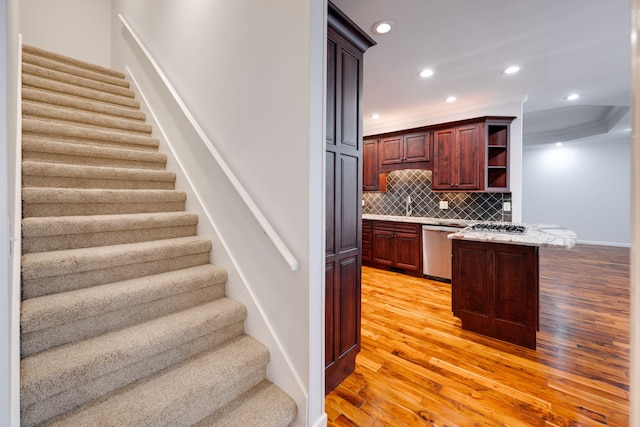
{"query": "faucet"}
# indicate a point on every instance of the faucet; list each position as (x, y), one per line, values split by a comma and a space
(408, 207)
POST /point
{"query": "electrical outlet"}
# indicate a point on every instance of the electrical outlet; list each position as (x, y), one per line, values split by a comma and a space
(362, 202)
(506, 206)
(444, 204)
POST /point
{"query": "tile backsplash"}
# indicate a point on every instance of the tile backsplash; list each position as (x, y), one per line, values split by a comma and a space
(425, 203)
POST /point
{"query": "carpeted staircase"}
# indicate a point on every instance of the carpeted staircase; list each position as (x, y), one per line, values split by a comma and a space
(124, 321)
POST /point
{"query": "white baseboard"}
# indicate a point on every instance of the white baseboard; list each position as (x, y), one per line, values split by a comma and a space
(617, 244)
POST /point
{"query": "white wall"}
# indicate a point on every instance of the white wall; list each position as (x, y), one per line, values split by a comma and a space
(245, 71)
(584, 186)
(9, 310)
(77, 28)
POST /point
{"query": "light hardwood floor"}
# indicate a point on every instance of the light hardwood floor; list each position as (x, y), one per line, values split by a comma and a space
(418, 368)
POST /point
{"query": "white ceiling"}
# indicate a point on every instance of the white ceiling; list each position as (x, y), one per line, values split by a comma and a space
(562, 46)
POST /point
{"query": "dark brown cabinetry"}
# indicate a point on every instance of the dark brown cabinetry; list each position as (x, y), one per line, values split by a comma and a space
(367, 228)
(457, 161)
(345, 47)
(497, 155)
(372, 178)
(397, 245)
(495, 290)
(405, 151)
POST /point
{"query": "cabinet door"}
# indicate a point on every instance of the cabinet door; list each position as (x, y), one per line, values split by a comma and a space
(366, 240)
(444, 177)
(407, 251)
(383, 247)
(391, 150)
(417, 147)
(370, 165)
(468, 158)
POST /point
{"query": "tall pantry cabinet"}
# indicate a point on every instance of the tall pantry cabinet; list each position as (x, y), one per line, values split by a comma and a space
(346, 44)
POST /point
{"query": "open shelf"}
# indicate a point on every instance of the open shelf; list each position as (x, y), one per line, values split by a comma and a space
(497, 166)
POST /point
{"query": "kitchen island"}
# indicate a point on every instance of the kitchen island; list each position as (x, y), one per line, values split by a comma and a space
(495, 278)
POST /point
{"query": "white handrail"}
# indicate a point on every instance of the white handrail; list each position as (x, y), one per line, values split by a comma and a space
(266, 226)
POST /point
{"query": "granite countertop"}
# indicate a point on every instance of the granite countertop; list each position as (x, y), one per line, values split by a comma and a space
(552, 236)
(536, 235)
(422, 220)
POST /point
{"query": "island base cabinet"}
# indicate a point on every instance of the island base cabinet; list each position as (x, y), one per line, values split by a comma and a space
(495, 290)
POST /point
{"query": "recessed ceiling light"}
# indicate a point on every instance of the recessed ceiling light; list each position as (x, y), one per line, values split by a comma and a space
(451, 99)
(375, 116)
(558, 144)
(511, 70)
(382, 27)
(428, 72)
(572, 97)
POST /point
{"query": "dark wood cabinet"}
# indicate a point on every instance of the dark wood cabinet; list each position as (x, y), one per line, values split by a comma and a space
(367, 228)
(346, 44)
(495, 290)
(457, 162)
(497, 155)
(405, 151)
(397, 245)
(372, 178)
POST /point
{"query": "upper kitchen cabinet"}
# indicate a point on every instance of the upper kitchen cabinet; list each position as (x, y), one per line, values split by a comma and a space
(405, 151)
(372, 178)
(472, 155)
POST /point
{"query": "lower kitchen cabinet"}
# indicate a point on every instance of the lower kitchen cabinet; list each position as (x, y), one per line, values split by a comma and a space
(495, 290)
(397, 245)
(366, 240)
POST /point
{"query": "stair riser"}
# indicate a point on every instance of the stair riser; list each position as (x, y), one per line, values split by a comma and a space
(43, 409)
(90, 161)
(56, 76)
(84, 118)
(69, 332)
(29, 81)
(70, 69)
(32, 288)
(66, 208)
(64, 182)
(88, 240)
(57, 99)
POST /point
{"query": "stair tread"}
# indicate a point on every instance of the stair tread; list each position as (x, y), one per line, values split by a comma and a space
(58, 369)
(93, 195)
(52, 310)
(68, 148)
(265, 405)
(94, 172)
(51, 127)
(69, 60)
(176, 395)
(76, 80)
(72, 115)
(47, 97)
(68, 68)
(71, 261)
(29, 80)
(80, 224)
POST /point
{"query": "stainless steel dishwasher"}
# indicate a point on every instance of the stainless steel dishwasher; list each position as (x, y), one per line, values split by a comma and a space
(436, 251)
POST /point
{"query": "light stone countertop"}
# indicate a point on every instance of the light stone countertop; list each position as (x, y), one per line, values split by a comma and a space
(552, 236)
(536, 235)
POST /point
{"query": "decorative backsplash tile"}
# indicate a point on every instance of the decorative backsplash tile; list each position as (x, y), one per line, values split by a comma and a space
(425, 203)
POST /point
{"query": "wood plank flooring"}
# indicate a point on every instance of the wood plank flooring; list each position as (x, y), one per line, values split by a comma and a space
(417, 366)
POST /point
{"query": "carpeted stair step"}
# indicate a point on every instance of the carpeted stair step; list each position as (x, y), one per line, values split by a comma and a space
(38, 202)
(44, 174)
(38, 149)
(265, 405)
(72, 116)
(29, 49)
(46, 273)
(57, 319)
(42, 234)
(63, 378)
(80, 104)
(45, 73)
(30, 81)
(58, 130)
(64, 67)
(181, 395)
